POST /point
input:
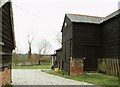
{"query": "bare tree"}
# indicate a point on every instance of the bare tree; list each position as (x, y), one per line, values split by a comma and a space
(59, 38)
(43, 47)
(30, 40)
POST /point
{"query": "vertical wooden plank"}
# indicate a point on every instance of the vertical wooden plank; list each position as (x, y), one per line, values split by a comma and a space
(118, 67)
(109, 61)
(112, 66)
(107, 66)
(115, 66)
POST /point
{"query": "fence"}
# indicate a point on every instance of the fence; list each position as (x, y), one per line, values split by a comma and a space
(110, 66)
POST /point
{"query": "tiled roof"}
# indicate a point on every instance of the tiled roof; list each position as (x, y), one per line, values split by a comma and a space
(91, 19)
(112, 15)
(85, 18)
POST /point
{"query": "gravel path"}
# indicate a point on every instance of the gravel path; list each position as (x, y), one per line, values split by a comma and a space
(36, 77)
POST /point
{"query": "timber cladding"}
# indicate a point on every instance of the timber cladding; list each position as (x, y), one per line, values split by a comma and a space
(111, 39)
(7, 42)
(59, 59)
(90, 38)
(85, 35)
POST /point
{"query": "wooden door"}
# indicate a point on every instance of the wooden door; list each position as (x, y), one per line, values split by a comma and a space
(90, 60)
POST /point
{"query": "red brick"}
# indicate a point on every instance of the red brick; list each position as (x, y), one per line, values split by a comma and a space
(76, 66)
(5, 76)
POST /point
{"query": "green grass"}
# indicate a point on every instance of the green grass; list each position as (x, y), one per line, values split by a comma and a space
(32, 67)
(7, 85)
(93, 78)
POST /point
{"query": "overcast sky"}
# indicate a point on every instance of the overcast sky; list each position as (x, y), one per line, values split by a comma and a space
(43, 19)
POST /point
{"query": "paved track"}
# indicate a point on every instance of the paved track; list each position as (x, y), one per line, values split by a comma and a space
(36, 77)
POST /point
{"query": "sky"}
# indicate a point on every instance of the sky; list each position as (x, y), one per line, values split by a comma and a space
(43, 19)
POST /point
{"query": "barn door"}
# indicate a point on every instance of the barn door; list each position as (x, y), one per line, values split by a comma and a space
(90, 60)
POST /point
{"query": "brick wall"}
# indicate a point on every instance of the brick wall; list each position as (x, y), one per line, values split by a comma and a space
(76, 66)
(5, 76)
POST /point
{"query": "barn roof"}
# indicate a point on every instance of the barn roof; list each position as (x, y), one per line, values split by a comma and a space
(91, 19)
(2, 2)
(84, 18)
(112, 15)
(60, 49)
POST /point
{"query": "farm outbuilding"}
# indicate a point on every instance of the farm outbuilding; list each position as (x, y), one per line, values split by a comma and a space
(59, 58)
(90, 41)
(7, 41)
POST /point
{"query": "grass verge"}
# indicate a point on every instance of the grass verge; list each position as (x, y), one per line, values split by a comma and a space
(32, 67)
(93, 78)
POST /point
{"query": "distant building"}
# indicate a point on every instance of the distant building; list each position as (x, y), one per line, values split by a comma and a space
(59, 58)
(7, 41)
(88, 40)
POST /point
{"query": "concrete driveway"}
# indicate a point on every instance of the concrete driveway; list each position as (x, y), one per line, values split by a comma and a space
(36, 77)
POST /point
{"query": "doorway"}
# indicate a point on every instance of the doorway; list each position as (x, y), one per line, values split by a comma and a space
(90, 59)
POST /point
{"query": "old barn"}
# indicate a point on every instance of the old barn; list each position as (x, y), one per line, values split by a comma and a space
(88, 41)
(59, 58)
(7, 41)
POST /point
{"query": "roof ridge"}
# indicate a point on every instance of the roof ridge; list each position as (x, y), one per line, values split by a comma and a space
(85, 18)
(2, 2)
(84, 15)
(112, 15)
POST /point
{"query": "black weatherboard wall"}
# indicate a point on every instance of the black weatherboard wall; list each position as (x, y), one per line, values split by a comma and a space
(66, 43)
(7, 33)
(7, 41)
(111, 35)
(87, 43)
(109, 62)
(88, 40)
(59, 58)
(79, 37)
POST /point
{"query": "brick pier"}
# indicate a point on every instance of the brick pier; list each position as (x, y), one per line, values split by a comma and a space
(76, 66)
(5, 75)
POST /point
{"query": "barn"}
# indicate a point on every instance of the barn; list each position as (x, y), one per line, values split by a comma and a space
(7, 41)
(81, 39)
(87, 41)
(59, 58)
(111, 44)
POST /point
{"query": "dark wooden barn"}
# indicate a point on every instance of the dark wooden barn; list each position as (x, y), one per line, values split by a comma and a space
(81, 41)
(110, 35)
(86, 40)
(109, 62)
(7, 42)
(59, 58)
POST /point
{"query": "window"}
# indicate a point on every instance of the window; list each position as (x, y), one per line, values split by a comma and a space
(65, 24)
(1, 43)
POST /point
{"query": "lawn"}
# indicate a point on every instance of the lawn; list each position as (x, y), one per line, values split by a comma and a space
(93, 78)
(32, 67)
